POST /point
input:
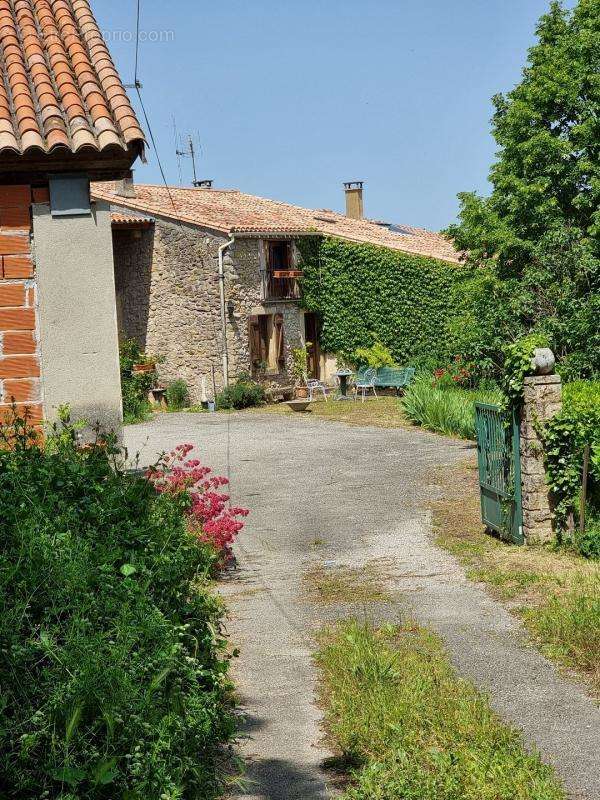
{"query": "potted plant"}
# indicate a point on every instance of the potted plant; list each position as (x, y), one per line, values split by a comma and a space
(144, 363)
(300, 370)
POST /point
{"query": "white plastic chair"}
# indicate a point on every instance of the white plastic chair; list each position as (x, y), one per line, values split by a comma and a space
(365, 381)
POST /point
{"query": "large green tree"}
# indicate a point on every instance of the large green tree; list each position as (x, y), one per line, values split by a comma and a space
(538, 233)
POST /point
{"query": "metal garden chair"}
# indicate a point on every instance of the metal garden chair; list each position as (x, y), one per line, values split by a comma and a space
(313, 386)
(365, 381)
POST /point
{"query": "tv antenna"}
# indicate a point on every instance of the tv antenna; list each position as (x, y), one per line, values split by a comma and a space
(190, 152)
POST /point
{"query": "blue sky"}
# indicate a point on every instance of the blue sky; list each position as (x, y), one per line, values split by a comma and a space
(289, 98)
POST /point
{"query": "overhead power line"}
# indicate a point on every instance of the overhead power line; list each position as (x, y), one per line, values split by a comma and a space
(137, 85)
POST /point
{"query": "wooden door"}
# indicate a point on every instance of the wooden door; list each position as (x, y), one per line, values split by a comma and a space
(311, 332)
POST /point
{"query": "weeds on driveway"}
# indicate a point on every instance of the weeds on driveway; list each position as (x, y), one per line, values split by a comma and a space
(332, 585)
(555, 592)
(408, 727)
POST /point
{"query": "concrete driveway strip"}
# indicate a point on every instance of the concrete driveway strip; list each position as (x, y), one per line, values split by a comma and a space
(326, 494)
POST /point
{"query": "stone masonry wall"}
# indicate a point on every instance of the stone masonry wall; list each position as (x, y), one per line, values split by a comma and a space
(168, 299)
(542, 399)
(243, 270)
(19, 350)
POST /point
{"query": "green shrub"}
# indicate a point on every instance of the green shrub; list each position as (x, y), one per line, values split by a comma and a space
(244, 393)
(134, 386)
(112, 664)
(413, 729)
(565, 436)
(376, 356)
(177, 395)
(450, 411)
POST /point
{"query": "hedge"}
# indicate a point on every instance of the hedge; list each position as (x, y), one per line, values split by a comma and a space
(112, 665)
(364, 293)
(565, 436)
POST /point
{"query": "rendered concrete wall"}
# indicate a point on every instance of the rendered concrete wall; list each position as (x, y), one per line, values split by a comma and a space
(77, 315)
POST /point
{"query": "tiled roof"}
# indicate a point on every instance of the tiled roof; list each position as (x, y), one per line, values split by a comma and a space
(61, 91)
(230, 212)
(130, 220)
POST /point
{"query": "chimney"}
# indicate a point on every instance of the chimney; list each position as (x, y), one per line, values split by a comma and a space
(125, 187)
(354, 199)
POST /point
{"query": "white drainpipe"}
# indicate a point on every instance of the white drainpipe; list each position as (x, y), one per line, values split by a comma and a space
(222, 250)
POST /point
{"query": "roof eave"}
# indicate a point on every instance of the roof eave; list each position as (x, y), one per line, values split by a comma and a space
(111, 163)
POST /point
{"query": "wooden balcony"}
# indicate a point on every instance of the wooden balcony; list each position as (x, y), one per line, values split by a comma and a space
(283, 284)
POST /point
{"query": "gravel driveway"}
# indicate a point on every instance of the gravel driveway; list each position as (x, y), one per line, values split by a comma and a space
(326, 496)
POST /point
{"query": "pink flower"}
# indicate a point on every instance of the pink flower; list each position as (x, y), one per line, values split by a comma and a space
(209, 516)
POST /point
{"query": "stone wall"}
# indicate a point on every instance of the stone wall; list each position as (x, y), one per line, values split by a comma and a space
(244, 265)
(168, 299)
(542, 399)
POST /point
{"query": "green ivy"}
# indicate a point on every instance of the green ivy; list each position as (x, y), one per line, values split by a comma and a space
(364, 293)
(518, 365)
(564, 437)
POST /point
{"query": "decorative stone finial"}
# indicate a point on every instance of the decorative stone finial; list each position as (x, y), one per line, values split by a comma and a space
(543, 361)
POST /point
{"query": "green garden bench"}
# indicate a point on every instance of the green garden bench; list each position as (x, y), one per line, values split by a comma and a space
(391, 377)
(394, 377)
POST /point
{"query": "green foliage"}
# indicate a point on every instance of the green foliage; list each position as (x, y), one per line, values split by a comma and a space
(487, 313)
(365, 293)
(538, 234)
(450, 411)
(177, 395)
(299, 368)
(113, 667)
(565, 437)
(376, 356)
(134, 386)
(244, 393)
(518, 358)
(412, 729)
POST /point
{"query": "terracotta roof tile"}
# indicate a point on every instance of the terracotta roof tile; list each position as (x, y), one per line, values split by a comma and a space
(130, 220)
(230, 212)
(60, 88)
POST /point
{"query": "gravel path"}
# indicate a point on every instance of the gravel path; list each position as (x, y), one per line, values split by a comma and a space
(328, 495)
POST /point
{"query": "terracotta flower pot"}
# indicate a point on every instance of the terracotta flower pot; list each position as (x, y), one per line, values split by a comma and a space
(144, 368)
(301, 392)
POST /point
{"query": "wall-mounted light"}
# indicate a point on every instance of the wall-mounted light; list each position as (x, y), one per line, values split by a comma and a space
(230, 307)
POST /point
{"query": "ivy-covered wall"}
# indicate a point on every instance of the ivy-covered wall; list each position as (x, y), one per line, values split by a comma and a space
(364, 292)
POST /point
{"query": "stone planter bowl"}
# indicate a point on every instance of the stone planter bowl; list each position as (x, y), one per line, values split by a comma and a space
(299, 405)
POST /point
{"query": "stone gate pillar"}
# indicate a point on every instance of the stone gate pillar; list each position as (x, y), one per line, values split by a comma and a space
(542, 399)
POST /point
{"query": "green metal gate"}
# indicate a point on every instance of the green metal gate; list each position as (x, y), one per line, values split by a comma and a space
(498, 450)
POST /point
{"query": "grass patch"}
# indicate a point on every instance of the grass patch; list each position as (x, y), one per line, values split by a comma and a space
(397, 710)
(445, 410)
(330, 586)
(381, 412)
(568, 627)
(556, 592)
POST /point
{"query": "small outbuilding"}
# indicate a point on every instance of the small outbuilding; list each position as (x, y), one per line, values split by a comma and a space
(65, 120)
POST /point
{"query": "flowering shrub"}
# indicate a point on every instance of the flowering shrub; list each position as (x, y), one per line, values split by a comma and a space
(458, 373)
(209, 514)
(113, 662)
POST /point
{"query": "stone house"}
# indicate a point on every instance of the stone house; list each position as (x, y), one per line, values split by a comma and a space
(208, 278)
(65, 120)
